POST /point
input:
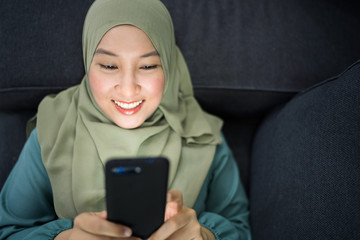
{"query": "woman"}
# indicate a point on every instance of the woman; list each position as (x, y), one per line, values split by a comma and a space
(135, 99)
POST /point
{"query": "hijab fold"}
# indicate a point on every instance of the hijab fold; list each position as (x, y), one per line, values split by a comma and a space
(77, 138)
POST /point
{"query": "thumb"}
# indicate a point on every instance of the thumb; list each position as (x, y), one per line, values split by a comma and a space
(102, 214)
(174, 203)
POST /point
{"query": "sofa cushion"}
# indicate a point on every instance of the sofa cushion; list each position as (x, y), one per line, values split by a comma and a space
(305, 168)
(266, 45)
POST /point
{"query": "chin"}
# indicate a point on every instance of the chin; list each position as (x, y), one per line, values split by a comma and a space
(127, 125)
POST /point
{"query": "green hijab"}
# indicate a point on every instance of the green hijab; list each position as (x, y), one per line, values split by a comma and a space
(77, 138)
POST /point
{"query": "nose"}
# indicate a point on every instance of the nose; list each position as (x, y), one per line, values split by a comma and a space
(127, 85)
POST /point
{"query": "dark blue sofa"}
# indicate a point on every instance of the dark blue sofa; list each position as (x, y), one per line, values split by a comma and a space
(270, 69)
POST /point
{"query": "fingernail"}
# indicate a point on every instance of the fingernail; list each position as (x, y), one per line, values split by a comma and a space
(103, 214)
(168, 197)
(127, 232)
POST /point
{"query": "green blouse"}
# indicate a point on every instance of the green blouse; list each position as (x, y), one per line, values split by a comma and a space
(27, 211)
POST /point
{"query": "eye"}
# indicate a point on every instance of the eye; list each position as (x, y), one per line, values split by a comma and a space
(149, 67)
(108, 67)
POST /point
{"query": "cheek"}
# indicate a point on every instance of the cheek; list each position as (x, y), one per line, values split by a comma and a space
(158, 86)
(98, 88)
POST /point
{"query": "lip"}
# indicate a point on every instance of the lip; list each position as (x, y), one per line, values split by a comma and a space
(130, 111)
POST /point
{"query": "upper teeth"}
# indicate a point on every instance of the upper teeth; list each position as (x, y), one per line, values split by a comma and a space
(128, 105)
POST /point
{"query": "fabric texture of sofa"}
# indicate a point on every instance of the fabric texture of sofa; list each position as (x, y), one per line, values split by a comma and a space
(266, 67)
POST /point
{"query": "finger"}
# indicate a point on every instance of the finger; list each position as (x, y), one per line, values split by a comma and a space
(78, 234)
(175, 224)
(81, 235)
(175, 196)
(94, 223)
(171, 210)
(174, 204)
(102, 214)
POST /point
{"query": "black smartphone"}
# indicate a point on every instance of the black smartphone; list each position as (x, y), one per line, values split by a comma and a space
(136, 191)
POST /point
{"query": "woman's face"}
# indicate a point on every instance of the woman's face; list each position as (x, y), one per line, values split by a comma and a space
(126, 76)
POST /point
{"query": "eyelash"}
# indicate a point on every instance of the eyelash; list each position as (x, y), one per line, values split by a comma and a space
(111, 67)
(108, 67)
(149, 67)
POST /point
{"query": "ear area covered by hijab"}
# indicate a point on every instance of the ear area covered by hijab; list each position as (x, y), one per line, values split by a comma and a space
(77, 138)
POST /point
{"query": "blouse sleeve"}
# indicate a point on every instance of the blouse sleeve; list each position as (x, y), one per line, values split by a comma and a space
(26, 203)
(222, 205)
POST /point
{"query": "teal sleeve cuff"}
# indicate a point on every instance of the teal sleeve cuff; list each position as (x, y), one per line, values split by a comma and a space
(222, 228)
(47, 231)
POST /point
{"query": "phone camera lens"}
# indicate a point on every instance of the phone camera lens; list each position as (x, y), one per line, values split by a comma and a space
(138, 170)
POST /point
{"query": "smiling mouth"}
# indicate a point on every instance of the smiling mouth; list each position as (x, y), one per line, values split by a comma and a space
(128, 106)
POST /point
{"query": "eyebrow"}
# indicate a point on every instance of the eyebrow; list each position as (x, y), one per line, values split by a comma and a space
(150, 54)
(103, 51)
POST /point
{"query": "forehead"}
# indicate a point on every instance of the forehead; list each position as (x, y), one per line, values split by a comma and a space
(125, 37)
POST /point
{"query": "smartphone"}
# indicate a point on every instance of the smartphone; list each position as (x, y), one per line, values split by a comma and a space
(136, 191)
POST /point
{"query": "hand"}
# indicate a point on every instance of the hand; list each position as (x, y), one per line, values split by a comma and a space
(94, 226)
(180, 222)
